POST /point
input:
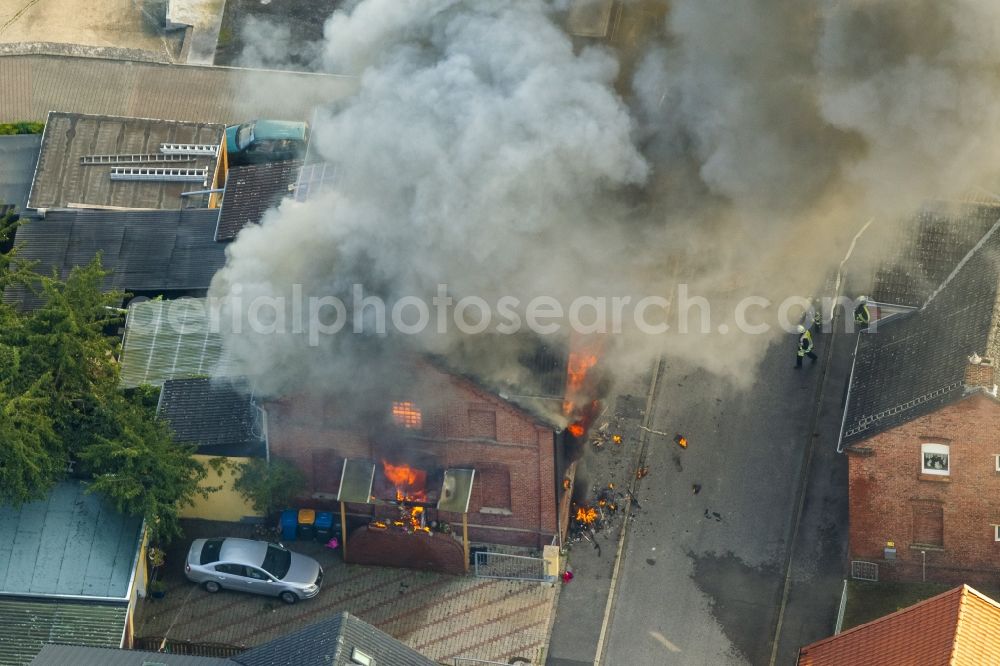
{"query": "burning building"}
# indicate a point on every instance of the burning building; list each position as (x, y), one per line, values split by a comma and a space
(521, 445)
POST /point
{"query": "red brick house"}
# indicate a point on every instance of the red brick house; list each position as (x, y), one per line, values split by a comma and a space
(921, 426)
(960, 627)
(438, 419)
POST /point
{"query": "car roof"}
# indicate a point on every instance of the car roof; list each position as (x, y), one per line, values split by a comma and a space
(244, 551)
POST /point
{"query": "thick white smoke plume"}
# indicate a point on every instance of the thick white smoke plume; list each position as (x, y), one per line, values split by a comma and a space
(486, 151)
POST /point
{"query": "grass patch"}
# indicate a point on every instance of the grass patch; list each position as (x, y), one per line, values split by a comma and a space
(869, 601)
(23, 127)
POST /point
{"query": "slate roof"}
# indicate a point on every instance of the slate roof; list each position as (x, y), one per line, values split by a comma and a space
(330, 643)
(250, 191)
(216, 415)
(61, 655)
(931, 247)
(916, 363)
(18, 154)
(27, 625)
(70, 543)
(157, 251)
(960, 627)
(61, 180)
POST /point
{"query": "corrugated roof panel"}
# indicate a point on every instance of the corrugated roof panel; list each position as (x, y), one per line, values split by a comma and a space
(25, 626)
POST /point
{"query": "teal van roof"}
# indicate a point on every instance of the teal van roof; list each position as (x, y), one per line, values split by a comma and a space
(70, 543)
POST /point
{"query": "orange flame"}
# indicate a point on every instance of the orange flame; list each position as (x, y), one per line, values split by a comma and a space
(576, 430)
(577, 367)
(586, 515)
(410, 482)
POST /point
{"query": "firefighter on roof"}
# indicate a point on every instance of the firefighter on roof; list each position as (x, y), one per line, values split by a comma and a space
(861, 315)
(805, 346)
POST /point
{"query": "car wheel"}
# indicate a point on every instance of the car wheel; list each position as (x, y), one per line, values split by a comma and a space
(289, 597)
(212, 586)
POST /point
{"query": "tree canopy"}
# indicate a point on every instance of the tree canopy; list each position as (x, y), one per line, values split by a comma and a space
(61, 407)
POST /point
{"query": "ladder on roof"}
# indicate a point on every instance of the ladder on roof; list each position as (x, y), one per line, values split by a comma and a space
(159, 173)
(134, 158)
(207, 149)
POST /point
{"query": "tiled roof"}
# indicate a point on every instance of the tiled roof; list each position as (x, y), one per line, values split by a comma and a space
(331, 643)
(960, 627)
(931, 247)
(215, 415)
(915, 364)
(37, 84)
(251, 190)
(25, 626)
(72, 543)
(154, 251)
(78, 655)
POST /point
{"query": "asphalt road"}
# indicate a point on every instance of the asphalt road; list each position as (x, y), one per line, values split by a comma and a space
(703, 574)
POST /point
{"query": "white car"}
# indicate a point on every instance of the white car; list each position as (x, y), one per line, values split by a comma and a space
(253, 566)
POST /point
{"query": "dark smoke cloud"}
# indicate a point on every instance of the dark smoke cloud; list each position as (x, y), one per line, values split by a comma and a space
(484, 151)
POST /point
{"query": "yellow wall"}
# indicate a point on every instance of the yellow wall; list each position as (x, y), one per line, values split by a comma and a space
(224, 504)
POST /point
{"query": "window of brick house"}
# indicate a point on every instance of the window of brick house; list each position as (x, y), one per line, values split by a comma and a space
(491, 489)
(996, 532)
(935, 459)
(483, 423)
(928, 524)
(996, 460)
(407, 415)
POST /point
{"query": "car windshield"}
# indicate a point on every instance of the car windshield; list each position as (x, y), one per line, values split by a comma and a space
(210, 551)
(277, 561)
(244, 135)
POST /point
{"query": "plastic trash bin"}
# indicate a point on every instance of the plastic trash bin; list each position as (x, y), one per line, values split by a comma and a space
(307, 524)
(289, 523)
(324, 526)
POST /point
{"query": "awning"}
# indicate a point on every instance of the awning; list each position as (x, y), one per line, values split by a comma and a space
(356, 481)
(456, 490)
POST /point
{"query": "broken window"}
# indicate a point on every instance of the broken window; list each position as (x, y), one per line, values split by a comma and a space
(406, 415)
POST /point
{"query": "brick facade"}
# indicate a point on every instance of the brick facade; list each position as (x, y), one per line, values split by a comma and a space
(462, 425)
(951, 518)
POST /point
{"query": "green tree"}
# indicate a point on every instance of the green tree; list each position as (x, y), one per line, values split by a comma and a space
(142, 470)
(60, 401)
(269, 486)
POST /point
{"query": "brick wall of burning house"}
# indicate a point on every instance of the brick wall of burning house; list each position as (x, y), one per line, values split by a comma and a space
(931, 485)
(442, 421)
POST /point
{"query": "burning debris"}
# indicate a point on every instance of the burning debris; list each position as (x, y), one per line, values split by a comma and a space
(410, 486)
(591, 517)
(681, 441)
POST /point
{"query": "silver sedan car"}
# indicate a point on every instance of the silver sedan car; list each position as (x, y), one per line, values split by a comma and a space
(253, 566)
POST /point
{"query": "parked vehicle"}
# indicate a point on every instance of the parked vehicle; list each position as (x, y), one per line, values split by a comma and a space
(258, 567)
(266, 141)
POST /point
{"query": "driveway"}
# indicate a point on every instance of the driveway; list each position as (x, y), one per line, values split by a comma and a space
(441, 616)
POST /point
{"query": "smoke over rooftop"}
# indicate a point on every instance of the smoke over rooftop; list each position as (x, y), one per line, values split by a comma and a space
(485, 151)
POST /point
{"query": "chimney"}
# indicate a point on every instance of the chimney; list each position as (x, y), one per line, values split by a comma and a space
(979, 373)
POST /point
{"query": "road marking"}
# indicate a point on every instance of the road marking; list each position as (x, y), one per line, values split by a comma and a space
(662, 639)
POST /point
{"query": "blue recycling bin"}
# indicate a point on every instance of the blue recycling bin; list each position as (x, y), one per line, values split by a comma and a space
(289, 524)
(324, 526)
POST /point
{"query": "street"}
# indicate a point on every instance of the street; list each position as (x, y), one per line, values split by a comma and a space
(703, 573)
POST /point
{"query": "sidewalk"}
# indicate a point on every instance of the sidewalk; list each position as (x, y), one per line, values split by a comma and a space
(582, 601)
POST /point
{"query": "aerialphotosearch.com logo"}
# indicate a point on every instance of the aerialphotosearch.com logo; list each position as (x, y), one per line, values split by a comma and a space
(319, 316)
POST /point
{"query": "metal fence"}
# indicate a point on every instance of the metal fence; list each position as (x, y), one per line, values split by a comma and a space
(157, 644)
(864, 571)
(515, 567)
